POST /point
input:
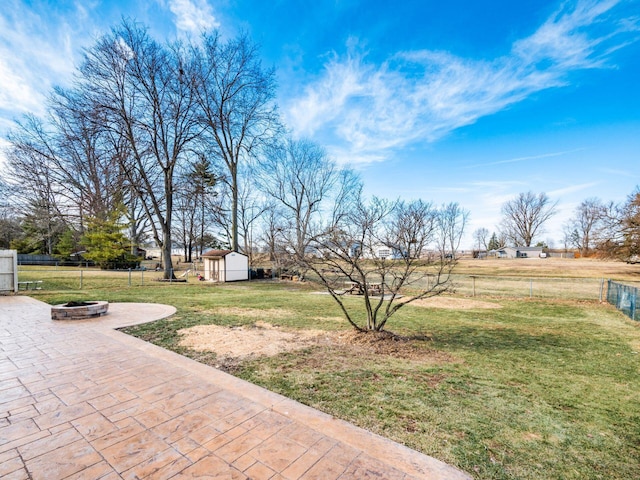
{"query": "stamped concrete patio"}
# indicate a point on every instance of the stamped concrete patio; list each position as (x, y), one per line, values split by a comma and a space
(80, 400)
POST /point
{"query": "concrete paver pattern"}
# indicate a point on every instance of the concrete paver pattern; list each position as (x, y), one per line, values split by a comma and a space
(81, 400)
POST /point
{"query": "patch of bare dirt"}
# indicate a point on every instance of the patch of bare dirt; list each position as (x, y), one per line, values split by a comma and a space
(234, 344)
(390, 344)
(454, 303)
(239, 342)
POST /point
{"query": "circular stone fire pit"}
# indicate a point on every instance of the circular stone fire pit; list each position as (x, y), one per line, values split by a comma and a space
(79, 310)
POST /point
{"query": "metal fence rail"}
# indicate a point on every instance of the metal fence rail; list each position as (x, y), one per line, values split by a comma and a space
(74, 278)
(564, 288)
(69, 278)
(530, 287)
(624, 297)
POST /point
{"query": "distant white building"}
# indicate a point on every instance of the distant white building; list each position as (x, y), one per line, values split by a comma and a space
(156, 252)
(225, 266)
(382, 251)
(520, 252)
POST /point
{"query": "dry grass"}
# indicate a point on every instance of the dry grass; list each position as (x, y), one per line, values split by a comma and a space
(251, 313)
(549, 267)
(454, 303)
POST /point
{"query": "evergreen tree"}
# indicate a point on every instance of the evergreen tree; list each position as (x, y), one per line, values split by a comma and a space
(493, 242)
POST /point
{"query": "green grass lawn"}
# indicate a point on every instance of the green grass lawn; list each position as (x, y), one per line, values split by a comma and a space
(534, 389)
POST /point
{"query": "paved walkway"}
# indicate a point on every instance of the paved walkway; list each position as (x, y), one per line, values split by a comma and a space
(80, 400)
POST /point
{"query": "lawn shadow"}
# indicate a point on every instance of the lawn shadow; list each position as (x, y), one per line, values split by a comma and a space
(505, 338)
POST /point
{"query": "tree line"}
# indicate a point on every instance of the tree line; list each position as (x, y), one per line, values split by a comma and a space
(176, 143)
(596, 228)
(139, 133)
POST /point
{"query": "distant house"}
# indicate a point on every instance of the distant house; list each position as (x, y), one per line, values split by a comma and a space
(381, 251)
(156, 252)
(225, 266)
(520, 252)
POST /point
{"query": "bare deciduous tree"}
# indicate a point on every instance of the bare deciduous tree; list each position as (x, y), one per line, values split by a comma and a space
(300, 177)
(524, 217)
(235, 96)
(272, 227)
(144, 91)
(9, 223)
(584, 230)
(250, 210)
(630, 225)
(194, 186)
(30, 161)
(481, 238)
(69, 153)
(372, 250)
(452, 221)
(186, 217)
(84, 160)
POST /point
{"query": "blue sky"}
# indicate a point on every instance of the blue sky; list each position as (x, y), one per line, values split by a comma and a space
(461, 101)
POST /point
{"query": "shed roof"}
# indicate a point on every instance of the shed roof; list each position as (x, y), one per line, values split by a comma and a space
(216, 253)
(219, 253)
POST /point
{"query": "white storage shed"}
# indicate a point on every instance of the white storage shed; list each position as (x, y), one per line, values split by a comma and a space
(225, 266)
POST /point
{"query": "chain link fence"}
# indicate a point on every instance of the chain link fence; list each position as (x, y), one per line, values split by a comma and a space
(69, 278)
(591, 289)
(534, 287)
(82, 278)
(624, 298)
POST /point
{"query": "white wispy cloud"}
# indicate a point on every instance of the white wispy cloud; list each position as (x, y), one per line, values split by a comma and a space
(619, 172)
(558, 193)
(32, 55)
(526, 158)
(493, 194)
(193, 16)
(370, 109)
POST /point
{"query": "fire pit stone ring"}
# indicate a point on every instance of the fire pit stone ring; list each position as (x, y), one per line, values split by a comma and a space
(79, 310)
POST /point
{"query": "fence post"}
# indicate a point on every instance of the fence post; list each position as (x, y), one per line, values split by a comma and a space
(601, 288)
(142, 278)
(129, 276)
(473, 283)
(81, 279)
